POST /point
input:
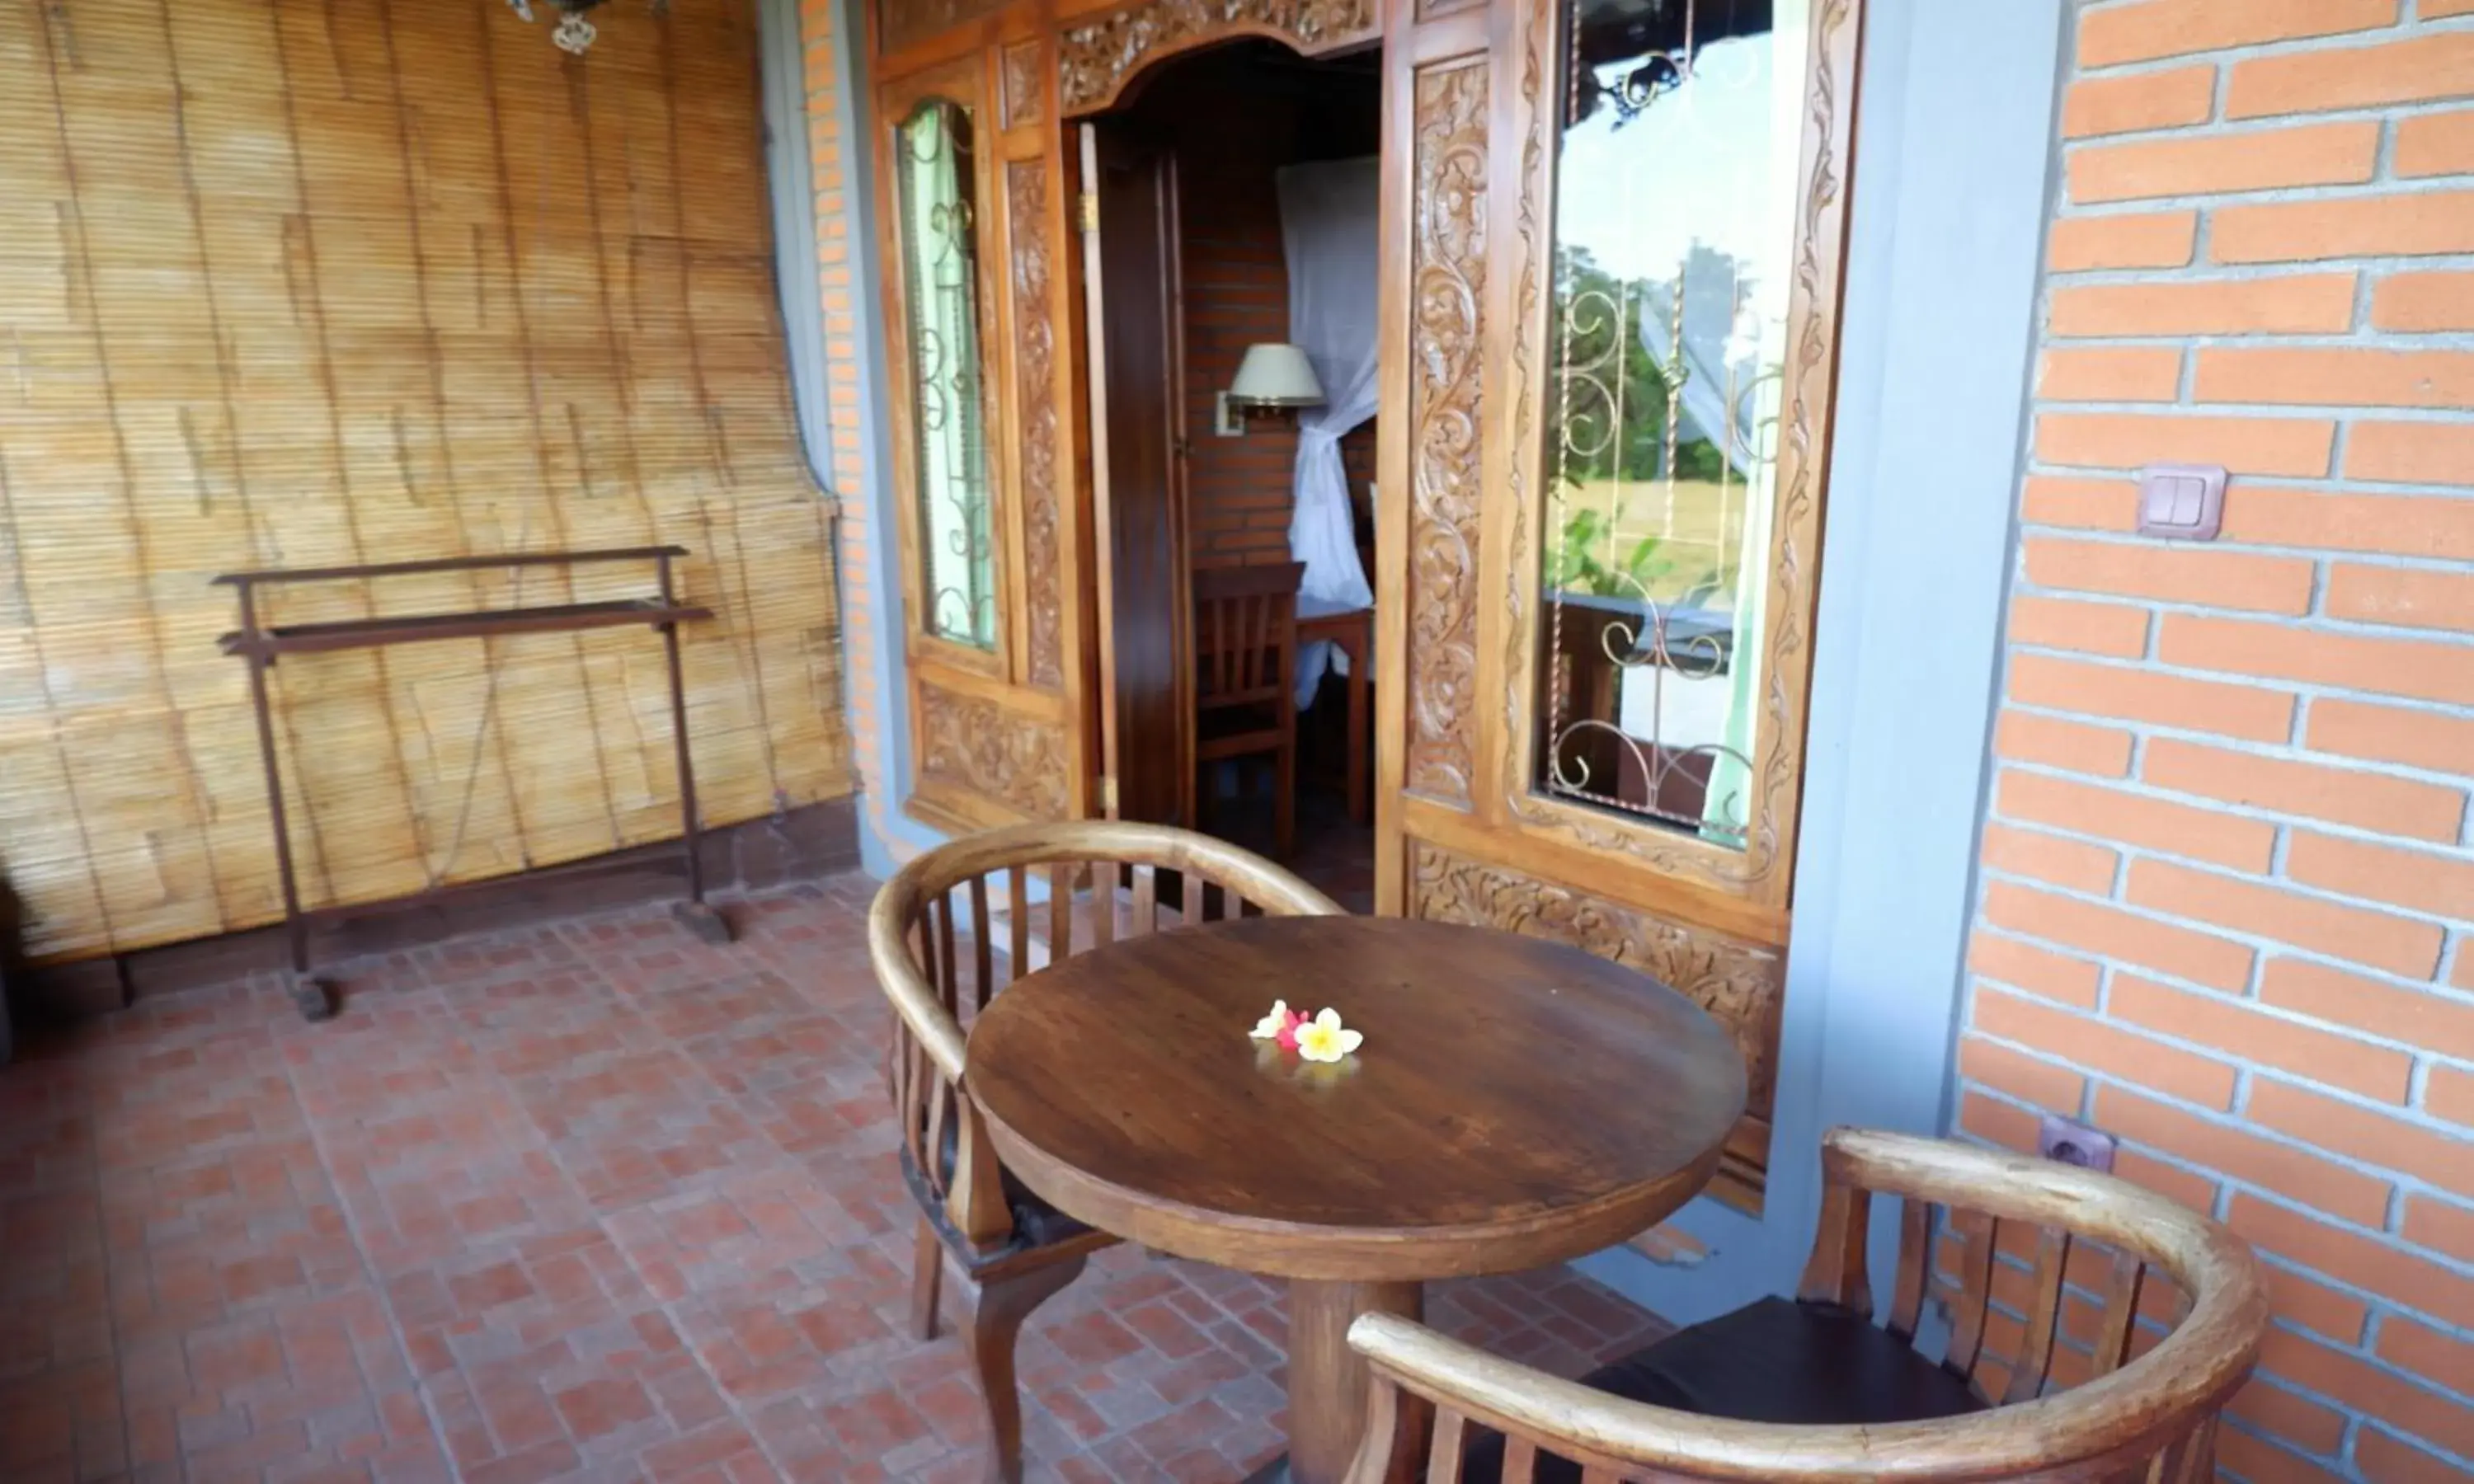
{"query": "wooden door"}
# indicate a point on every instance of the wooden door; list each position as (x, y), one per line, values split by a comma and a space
(1137, 380)
(997, 685)
(1531, 632)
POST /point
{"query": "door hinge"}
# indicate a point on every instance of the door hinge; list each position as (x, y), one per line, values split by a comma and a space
(1087, 206)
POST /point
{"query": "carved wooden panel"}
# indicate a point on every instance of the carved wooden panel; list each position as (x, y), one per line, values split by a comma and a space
(1019, 79)
(1763, 866)
(1737, 982)
(1096, 58)
(973, 744)
(901, 22)
(1035, 369)
(1448, 284)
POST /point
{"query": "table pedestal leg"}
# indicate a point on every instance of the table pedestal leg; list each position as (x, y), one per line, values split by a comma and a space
(1326, 1379)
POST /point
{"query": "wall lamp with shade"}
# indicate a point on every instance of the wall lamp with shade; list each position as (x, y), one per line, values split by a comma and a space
(1273, 379)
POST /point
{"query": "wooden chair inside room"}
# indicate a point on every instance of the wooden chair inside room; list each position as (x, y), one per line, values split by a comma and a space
(946, 934)
(1245, 679)
(2095, 1332)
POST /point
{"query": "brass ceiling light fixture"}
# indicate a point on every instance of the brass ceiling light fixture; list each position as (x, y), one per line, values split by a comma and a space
(574, 34)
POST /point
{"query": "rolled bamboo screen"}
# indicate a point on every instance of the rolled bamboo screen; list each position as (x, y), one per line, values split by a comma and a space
(285, 283)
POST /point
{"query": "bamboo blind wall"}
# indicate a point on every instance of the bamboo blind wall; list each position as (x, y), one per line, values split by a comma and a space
(292, 283)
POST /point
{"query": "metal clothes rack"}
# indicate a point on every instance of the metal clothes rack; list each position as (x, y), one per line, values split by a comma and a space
(261, 646)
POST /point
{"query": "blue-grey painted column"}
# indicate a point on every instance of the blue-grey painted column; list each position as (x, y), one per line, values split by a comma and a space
(882, 830)
(1952, 177)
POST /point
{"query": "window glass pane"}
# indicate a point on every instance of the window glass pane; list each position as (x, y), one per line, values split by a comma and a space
(1675, 224)
(939, 272)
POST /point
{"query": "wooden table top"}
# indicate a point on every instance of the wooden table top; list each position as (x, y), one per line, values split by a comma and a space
(1515, 1101)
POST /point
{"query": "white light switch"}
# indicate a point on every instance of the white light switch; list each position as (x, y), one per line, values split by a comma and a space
(2182, 501)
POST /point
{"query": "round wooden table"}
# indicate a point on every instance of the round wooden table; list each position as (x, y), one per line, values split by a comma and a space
(1517, 1102)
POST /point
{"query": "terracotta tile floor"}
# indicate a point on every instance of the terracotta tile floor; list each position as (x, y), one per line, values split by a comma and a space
(590, 1202)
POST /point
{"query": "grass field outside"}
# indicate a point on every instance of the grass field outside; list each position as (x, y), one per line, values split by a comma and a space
(1698, 525)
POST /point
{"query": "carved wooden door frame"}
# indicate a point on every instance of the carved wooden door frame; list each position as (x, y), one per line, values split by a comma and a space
(1000, 736)
(1472, 89)
(1470, 92)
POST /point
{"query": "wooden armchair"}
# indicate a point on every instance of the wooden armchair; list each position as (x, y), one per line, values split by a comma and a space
(1245, 677)
(1809, 1389)
(934, 939)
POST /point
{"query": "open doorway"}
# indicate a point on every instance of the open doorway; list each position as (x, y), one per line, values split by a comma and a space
(1235, 252)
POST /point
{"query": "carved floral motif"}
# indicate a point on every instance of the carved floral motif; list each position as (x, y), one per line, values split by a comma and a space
(901, 22)
(980, 747)
(1036, 395)
(1018, 75)
(1095, 59)
(1738, 983)
(1447, 283)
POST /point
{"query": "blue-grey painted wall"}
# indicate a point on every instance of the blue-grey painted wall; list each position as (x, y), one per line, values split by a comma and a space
(1953, 180)
(884, 829)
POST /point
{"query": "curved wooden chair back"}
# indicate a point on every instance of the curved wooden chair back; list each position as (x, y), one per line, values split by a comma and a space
(933, 939)
(2052, 1275)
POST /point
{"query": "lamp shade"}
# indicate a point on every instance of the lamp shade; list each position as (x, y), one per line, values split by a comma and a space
(1274, 375)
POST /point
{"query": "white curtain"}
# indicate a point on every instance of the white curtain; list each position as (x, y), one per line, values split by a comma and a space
(1331, 229)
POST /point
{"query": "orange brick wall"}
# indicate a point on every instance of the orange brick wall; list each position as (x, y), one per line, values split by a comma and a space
(2227, 909)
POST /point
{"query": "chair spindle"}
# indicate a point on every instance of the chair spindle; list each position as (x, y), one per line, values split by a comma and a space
(2121, 1289)
(1915, 1264)
(2044, 1317)
(1060, 910)
(1018, 921)
(982, 951)
(1976, 1248)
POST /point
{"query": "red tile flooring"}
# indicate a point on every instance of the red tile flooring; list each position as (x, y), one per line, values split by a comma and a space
(591, 1200)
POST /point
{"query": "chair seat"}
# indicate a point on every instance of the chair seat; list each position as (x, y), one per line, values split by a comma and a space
(1775, 1361)
(1035, 1223)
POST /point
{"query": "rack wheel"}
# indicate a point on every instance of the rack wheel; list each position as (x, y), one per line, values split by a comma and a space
(317, 998)
(699, 918)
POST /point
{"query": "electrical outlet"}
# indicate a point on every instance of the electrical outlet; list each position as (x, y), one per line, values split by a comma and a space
(2075, 1143)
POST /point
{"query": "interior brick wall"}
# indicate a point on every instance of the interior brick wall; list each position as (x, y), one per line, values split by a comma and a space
(2227, 902)
(1240, 490)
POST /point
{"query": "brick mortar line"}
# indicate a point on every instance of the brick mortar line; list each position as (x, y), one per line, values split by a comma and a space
(2309, 689)
(2137, 786)
(2420, 1055)
(2170, 980)
(2367, 337)
(2341, 413)
(2058, 1061)
(2311, 621)
(2299, 484)
(2439, 989)
(2131, 853)
(2244, 937)
(2332, 192)
(2219, 125)
(2201, 273)
(2367, 39)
